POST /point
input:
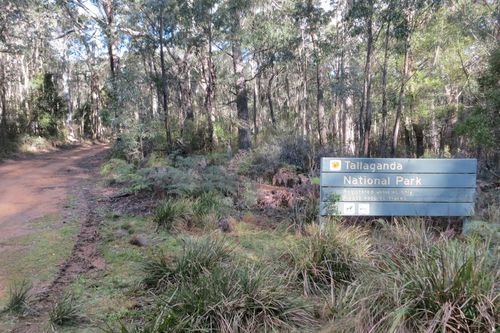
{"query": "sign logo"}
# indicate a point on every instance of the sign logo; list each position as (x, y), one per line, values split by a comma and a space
(335, 165)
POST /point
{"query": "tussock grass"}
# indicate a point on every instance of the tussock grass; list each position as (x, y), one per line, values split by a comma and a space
(197, 256)
(234, 299)
(172, 211)
(450, 286)
(66, 312)
(330, 255)
(19, 298)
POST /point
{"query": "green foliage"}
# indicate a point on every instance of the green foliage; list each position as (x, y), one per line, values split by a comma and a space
(332, 255)
(482, 124)
(229, 299)
(197, 256)
(66, 312)
(289, 151)
(49, 107)
(171, 211)
(210, 205)
(451, 285)
(117, 170)
(19, 298)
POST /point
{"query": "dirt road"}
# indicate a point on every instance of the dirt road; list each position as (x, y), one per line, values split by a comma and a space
(35, 186)
(46, 221)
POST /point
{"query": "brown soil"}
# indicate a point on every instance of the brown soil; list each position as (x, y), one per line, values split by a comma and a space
(35, 186)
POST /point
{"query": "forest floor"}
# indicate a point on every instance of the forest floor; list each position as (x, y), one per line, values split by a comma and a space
(47, 225)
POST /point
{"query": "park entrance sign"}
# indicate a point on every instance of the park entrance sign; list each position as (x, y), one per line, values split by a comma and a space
(397, 187)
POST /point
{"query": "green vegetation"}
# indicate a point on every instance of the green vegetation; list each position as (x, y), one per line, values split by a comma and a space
(19, 298)
(330, 256)
(66, 312)
(219, 113)
(36, 256)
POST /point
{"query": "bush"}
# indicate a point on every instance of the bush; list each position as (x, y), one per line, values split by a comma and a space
(232, 299)
(198, 255)
(117, 170)
(172, 211)
(298, 152)
(332, 255)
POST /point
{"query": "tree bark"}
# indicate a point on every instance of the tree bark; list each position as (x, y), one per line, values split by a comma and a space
(365, 115)
(240, 87)
(113, 59)
(164, 85)
(320, 108)
(3, 101)
(383, 143)
(397, 122)
(418, 129)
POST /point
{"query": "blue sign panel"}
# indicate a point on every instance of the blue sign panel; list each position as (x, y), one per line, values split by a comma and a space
(417, 180)
(397, 187)
(374, 194)
(398, 165)
(397, 209)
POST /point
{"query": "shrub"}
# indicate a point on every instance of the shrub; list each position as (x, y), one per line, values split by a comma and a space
(297, 151)
(330, 256)
(117, 170)
(215, 178)
(19, 298)
(172, 211)
(232, 299)
(197, 255)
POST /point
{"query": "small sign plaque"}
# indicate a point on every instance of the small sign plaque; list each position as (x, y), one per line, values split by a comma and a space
(397, 187)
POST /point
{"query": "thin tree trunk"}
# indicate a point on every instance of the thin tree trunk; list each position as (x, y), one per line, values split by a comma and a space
(320, 108)
(241, 89)
(113, 61)
(397, 122)
(383, 143)
(164, 86)
(270, 100)
(366, 108)
(3, 101)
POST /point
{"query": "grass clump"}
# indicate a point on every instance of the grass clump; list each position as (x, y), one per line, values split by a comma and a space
(451, 286)
(66, 312)
(233, 299)
(171, 211)
(329, 256)
(197, 256)
(19, 298)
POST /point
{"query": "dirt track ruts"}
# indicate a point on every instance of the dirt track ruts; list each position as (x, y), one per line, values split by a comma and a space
(65, 172)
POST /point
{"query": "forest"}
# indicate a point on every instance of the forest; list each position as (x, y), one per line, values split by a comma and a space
(162, 158)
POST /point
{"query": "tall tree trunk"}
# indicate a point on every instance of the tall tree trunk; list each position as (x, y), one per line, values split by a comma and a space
(383, 139)
(397, 122)
(418, 129)
(241, 89)
(256, 104)
(3, 101)
(269, 95)
(164, 86)
(113, 60)
(365, 115)
(210, 77)
(320, 108)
